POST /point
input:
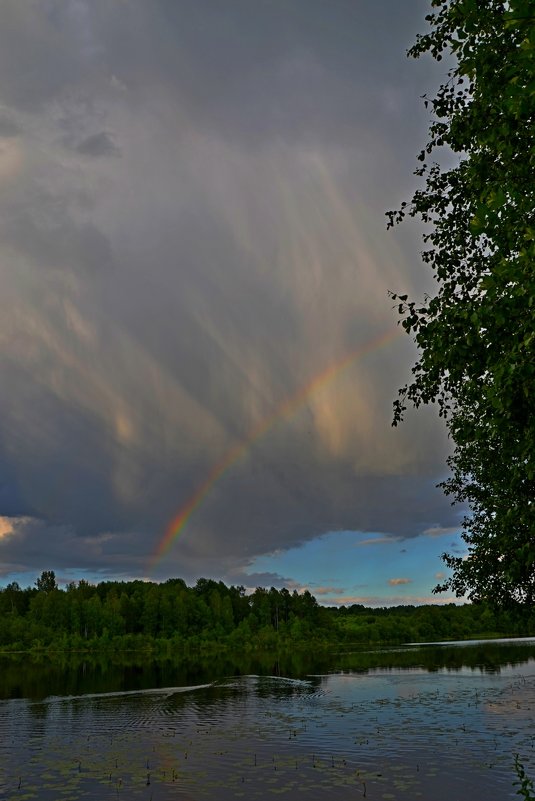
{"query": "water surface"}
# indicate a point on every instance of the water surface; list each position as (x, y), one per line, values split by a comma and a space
(416, 731)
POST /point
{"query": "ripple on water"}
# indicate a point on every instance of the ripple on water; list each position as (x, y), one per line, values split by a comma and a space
(394, 735)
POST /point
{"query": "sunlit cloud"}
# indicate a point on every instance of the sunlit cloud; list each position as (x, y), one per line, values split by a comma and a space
(396, 582)
(11, 160)
(6, 527)
(327, 590)
(377, 541)
(440, 531)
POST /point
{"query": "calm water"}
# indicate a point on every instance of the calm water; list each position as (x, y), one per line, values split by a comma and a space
(408, 723)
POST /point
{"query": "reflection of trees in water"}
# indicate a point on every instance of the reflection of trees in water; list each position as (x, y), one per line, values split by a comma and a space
(24, 677)
(38, 712)
(74, 674)
(489, 658)
(57, 674)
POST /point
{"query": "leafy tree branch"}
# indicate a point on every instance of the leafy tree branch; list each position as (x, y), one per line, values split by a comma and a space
(476, 334)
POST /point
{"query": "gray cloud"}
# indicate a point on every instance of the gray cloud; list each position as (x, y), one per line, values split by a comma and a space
(176, 323)
(99, 144)
(56, 241)
(8, 127)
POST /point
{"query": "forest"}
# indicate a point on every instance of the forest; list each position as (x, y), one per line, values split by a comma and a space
(171, 616)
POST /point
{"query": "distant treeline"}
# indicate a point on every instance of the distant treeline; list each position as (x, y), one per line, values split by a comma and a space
(136, 614)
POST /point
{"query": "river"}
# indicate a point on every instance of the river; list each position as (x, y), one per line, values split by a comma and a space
(436, 723)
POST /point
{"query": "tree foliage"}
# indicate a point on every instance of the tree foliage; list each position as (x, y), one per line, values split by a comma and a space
(140, 615)
(46, 581)
(476, 335)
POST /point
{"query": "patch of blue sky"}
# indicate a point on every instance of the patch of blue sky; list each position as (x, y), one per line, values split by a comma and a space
(366, 567)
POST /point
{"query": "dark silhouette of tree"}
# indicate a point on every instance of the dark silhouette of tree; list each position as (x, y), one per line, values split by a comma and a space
(46, 581)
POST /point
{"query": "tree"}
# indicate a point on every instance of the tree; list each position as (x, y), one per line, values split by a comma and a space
(476, 335)
(12, 593)
(46, 581)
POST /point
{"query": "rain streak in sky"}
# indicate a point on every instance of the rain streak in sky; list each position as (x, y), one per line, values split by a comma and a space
(198, 353)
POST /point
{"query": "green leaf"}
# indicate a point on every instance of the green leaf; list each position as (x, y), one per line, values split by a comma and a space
(476, 356)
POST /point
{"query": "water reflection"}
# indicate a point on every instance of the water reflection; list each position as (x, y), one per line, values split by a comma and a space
(75, 674)
(432, 723)
(389, 733)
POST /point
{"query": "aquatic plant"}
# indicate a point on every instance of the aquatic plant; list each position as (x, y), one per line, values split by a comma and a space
(524, 783)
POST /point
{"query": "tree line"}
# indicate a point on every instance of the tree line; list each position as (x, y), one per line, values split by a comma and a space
(139, 614)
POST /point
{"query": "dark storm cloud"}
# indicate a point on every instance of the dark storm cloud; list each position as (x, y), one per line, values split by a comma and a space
(250, 71)
(268, 68)
(157, 309)
(99, 144)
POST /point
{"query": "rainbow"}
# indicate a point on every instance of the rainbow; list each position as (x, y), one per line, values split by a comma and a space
(285, 410)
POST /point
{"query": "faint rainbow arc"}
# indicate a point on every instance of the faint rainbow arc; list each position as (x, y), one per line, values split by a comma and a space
(284, 410)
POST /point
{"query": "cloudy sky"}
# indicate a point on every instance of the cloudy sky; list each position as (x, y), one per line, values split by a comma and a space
(198, 354)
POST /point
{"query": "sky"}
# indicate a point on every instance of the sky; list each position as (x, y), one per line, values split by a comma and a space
(198, 353)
